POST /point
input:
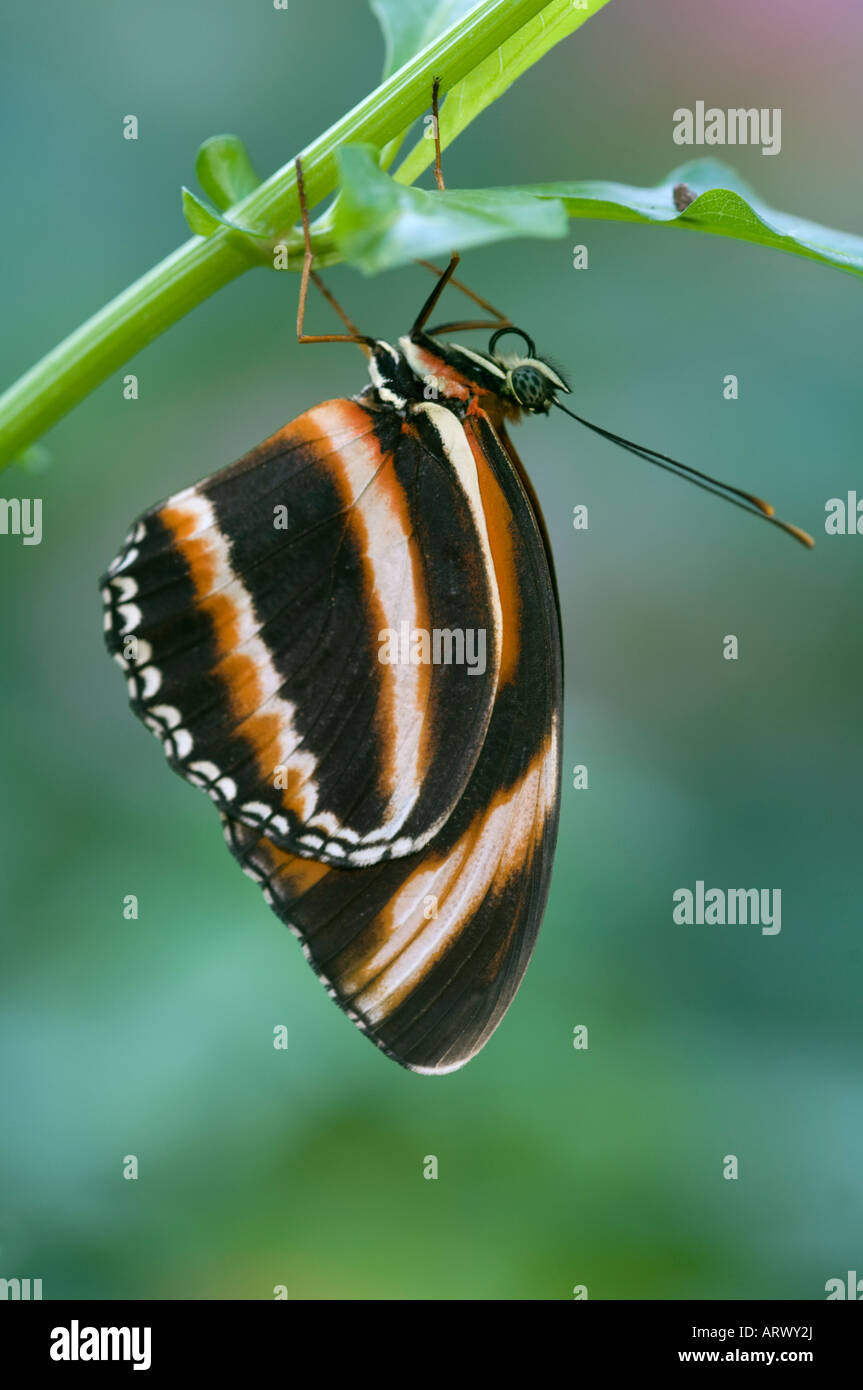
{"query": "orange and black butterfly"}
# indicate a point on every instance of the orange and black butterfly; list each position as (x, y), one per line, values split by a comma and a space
(350, 640)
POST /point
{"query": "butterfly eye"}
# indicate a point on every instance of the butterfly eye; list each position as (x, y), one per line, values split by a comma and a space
(530, 387)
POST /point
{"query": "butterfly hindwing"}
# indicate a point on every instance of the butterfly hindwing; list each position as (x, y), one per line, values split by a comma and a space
(425, 953)
(267, 620)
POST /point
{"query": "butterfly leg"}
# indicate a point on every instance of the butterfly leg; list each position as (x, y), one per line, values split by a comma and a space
(438, 168)
(471, 294)
(353, 335)
(445, 277)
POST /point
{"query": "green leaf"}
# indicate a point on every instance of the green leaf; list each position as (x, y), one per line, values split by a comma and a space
(410, 25)
(379, 223)
(225, 171)
(723, 205)
(204, 265)
(490, 78)
(201, 220)
(204, 221)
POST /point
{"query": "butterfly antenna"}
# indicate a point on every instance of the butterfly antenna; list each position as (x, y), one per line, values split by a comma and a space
(747, 501)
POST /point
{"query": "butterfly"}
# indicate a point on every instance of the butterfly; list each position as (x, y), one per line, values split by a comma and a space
(350, 640)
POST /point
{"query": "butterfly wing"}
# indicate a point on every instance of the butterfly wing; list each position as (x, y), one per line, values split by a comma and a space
(425, 953)
(249, 613)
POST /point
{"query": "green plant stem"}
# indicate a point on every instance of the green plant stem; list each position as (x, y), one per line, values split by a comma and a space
(204, 264)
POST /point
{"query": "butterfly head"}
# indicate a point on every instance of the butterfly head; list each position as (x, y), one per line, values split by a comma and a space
(529, 382)
(518, 381)
(522, 381)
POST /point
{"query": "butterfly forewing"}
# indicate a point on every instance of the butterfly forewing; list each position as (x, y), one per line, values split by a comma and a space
(268, 617)
(425, 953)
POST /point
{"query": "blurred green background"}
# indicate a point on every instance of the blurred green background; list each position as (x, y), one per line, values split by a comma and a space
(154, 1037)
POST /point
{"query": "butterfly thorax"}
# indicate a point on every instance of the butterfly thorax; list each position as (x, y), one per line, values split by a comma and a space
(501, 385)
(406, 386)
(458, 374)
